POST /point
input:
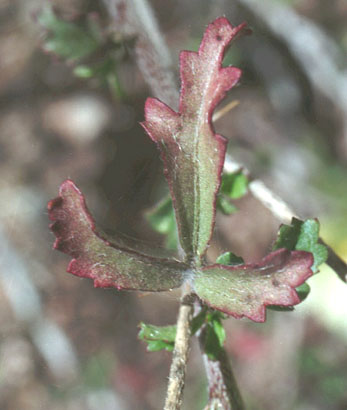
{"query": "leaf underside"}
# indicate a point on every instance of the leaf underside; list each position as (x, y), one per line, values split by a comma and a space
(192, 153)
(96, 258)
(245, 290)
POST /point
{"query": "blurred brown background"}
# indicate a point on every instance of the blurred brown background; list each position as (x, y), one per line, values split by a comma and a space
(64, 344)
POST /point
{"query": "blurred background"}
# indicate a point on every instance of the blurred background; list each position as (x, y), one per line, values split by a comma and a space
(71, 99)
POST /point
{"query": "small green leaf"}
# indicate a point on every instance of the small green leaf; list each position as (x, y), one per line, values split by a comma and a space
(198, 321)
(152, 332)
(225, 205)
(83, 71)
(65, 39)
(158, 337)
(214, 334)
(163, 337)
(212, 345)
(303, 291)
(162, 220)
(219, 329)
(234, 185)
(229, 258)
(157, 345)
(303, 236)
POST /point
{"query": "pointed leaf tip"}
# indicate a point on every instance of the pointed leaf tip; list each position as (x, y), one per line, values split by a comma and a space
(245, 290)
(192, 153)
(95, 257)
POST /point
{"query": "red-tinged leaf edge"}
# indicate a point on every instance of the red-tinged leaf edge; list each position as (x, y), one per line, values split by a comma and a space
(166, 127)
(246, 290)
(97, 258)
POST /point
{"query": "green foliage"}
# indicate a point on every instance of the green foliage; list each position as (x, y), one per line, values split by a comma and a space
(78, 42)
(65, 39)
(96, 374)
(162, 217)
(158, 337)
(229, 258)
(225, 205)
(214, 334)
(162, 220)
(163, 337)
(234, 186)
(302, 236)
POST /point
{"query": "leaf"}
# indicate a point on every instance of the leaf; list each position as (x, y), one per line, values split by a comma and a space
(212, 345)
(163, 337)
(192, 153)
(229, 258)
(303, 236)
(65, 39)
(162, 220)
(158, 337)
(97, 258)
(218, 328)
(234, 185)
(225, 205)
(245, 290)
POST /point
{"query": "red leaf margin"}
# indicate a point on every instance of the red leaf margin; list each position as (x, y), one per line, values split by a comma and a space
(168, 129)
(277, 274)
(95, 257)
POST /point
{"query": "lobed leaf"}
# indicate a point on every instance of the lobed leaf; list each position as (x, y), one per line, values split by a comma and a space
(97, 258)
(192, 153)
(245, 290)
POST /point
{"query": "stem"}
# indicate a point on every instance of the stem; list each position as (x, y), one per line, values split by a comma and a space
(223, 390)
(180, 354)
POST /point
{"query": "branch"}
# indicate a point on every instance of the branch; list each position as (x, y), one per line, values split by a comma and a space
(180, 354)
(223, 391)
(306, 42)
(135, 18)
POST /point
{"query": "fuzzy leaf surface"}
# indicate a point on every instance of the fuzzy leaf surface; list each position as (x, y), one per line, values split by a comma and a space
(245, 290)
(97, 258)
(192, 153)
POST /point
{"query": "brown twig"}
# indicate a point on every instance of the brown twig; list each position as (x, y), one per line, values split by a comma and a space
(135, 18)
(180, 354)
